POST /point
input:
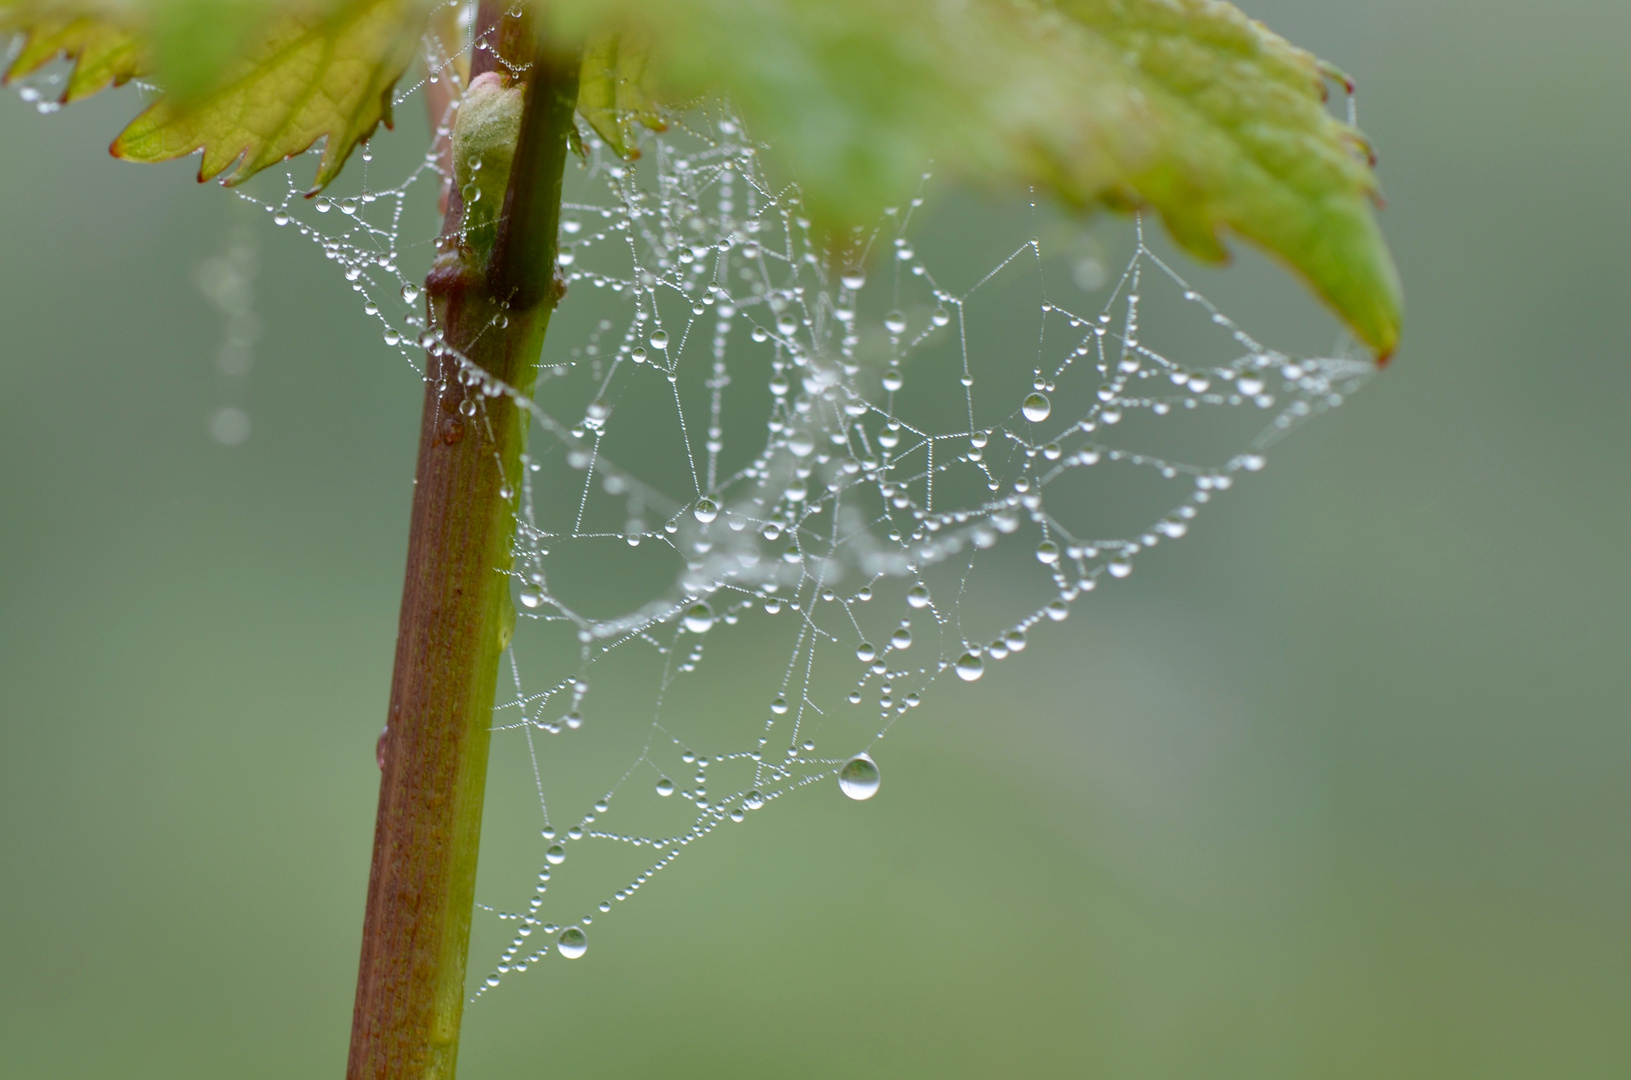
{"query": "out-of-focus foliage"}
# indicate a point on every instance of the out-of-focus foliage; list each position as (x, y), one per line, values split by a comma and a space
(612, 91)
(103, 52)
(1186, 107)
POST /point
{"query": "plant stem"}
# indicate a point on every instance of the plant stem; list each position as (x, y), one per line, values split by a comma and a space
(456, 615)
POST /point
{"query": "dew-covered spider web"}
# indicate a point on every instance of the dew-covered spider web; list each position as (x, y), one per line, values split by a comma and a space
(774, 494)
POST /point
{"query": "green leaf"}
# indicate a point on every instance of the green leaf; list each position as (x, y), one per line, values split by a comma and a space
(103, 53)
(1182, 106)
(1185, 107)
(304, 76)
(612, 94)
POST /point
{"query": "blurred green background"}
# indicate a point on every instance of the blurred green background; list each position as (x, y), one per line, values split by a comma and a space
(1337, 787)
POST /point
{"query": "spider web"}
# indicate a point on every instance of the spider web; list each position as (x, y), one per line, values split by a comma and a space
(773, 494)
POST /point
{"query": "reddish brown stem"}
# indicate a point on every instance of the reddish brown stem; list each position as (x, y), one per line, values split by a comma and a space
(456, 615)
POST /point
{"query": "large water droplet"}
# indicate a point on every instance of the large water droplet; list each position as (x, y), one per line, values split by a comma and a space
(556, 855)
(753, 800)
(865, 653)
(705, 510)
(665, 787)
(1036, 408)
(572, 943)
(859, 777)
(970, 667)
(700, 619)
(853, 281)
(895, 322)
(1047, 552)
(801, 442)
(410, 292)
(901, 638)
(918, 596)
(531, 596)
(659, 340)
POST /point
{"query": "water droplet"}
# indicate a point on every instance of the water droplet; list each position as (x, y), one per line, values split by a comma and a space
(801, 443)
(895, 322)
(970, 667)
(753, 800)
(574, 720)
(1047, 552)
(1120, 569)
(700, 619)
(410, 292)
(866, 653)
(859, 777)
(901, 638)
(659, 340)
(556, 855)
(941, 316)
(778, 706)
(1036, 408)
(572, 943)
(705, 510)
(853, 280)
(531, 596)
(918, 596)
(665, 787)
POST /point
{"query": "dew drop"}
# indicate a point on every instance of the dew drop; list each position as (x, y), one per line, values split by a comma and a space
(895, 322)
(410, 292)
(853, 280)
(970, 667)
(700, 619)
(556, 855)
(1047, 552)
(753, 800)
(866, 653)
(859, 778)
(1036, 408)
(659, 340)
(778, 706)
(901, 638)
(705, 510)
(531, 596)
(572, 943)
(918, 596)
(941, 316)
(665, 787)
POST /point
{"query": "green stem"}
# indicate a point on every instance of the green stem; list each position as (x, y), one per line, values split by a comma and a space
(456, 615)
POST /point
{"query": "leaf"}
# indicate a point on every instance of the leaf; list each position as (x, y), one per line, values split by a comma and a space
(612, 95)
(304, 76)
(1182, 106)
(1185, 107)
(103, 53)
